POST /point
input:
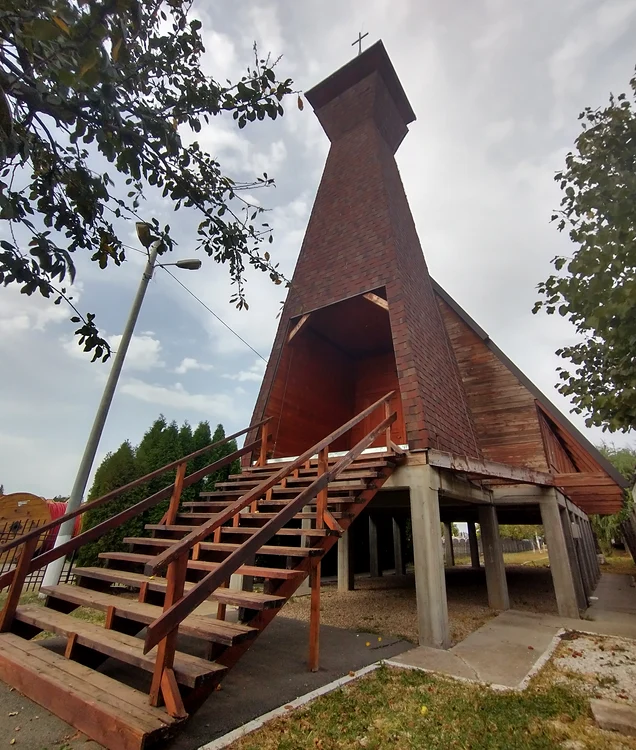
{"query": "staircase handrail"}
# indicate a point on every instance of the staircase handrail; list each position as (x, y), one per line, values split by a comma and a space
(170, 619)
(201, 532)
(125, 488)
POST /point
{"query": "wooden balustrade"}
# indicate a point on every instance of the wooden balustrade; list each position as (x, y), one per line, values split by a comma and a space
(170, 619)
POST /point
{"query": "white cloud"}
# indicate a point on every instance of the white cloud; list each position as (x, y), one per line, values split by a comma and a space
(189, 363)
(220, 405)
(253, 374)
(20, 313)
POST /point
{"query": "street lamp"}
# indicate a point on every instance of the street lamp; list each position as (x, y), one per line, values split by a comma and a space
(153, 245)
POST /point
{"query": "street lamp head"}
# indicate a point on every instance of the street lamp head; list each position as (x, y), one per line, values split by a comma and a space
(189, 264)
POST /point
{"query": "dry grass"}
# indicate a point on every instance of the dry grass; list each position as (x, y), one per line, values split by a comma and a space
(620, 563)
(407, 709)
(82, 613)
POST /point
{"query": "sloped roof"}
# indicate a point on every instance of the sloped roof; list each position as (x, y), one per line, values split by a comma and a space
(555, 414)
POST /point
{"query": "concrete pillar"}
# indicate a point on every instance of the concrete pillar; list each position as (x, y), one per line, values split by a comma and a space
(558, 553)
(449, 553)
(577, 577)
(580, 545)
(474, 544)
(345, 562)
(591, 551)
(306, 523)
(493, 558)
(398, 548)
(430, 584)
(374, 552)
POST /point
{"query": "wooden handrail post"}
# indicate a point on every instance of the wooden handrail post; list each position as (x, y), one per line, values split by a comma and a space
(15, 590)
(387, 413)
(173, 508)
(163, 682)
(314, 618)
(321, 500)
(262, 456)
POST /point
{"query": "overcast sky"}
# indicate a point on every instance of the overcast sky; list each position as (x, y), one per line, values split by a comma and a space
(496, 87)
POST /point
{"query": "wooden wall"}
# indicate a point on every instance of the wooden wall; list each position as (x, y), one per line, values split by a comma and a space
(559, 460)
(313, 392)
(376, 375)
(503, 410)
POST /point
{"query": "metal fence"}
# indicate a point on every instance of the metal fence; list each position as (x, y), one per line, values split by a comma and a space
(8, 560)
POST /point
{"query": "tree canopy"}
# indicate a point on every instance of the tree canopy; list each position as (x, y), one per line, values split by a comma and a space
(595, 288)
(100, 101)
(163, 443)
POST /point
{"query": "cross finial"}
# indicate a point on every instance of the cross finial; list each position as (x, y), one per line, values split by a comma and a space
(358, 41)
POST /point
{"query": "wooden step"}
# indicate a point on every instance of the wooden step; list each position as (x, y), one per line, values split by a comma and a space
(363, 466)
(354, 485)
(246, 599)
(246, 570)
(109, 712)
(147, 541)
(302, 480)
(189, 670)
(205, 628)
(203, 517)
(377, 460)
(258, 515)
(337, 500)
(237, 530)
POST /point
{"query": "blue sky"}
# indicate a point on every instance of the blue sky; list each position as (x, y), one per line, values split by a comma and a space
(496, 87)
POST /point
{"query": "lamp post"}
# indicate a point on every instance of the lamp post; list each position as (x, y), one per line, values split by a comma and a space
(54, 569)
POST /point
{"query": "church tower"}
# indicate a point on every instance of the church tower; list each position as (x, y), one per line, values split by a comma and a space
(361, 318)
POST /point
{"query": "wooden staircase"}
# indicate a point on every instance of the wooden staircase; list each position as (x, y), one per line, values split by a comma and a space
(271, 524)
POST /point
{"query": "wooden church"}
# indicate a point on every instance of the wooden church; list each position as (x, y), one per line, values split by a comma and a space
(380, 392)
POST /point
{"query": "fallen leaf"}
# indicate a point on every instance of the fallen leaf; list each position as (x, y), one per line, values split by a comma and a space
(367, 643)
(288, 707)
(352, 674)
(530, 648)
(424, 710)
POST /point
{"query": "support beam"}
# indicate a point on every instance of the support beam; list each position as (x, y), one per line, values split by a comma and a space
(449, 553)
(346, 580)
(398, 548)
(474, 545)
(493, 558)
(314, 617)
(430, 584)
(306, 523)
(377, 300)
(577, 577)
(374, 551)
(297, 328)
(557, 552)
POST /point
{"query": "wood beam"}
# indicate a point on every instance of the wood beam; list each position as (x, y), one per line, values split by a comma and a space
(377, 300)
(296, 329)
(584, 480)
(483, 468)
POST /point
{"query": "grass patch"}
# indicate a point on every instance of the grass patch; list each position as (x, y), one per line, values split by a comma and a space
(410, 709)
(620, 563)
(81, 613)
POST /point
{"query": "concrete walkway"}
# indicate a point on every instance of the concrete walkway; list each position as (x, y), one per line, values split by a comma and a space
(507, 650)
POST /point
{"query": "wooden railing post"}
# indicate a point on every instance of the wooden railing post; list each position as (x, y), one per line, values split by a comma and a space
(262, 456)
(321, 500)
(173, 508)
(15, 590)
(387, 413)
(164, 683)
(314, 617)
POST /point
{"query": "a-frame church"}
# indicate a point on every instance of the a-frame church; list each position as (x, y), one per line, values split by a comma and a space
(383, 402)
(363, 317)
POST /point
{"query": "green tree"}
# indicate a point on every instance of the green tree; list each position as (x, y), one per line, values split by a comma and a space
(607, 528)
(520, 531)
(595, 288)
(116, 470)
(98, 104)
(217, 454)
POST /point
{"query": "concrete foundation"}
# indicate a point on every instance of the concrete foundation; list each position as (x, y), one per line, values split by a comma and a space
(345, 562)
(398, 548)
(474, 545)
(562, 577)
(374, 552)
(493, 558)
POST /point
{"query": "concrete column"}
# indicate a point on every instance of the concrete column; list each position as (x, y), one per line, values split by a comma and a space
(374, 552)
(558, 553)
(345, 562)
(577, 578)
(474, 544)
(449, 554)
(306, 523)
(430, 584)
(398, 548)
(591, 550)
(493, 558)
(580, 545)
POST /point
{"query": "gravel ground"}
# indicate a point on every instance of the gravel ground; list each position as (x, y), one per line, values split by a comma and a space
(604, 666)
(387, 605)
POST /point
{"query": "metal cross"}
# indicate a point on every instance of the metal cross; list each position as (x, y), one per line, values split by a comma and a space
(358, 41)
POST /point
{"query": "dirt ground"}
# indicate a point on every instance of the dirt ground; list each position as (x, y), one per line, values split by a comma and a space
(387, 605)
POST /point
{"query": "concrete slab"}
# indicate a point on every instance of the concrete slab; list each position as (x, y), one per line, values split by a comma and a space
(614, 716)
(614, 593)
(436, 660)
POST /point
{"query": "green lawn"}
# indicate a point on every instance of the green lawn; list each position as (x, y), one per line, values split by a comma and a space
(393, 708)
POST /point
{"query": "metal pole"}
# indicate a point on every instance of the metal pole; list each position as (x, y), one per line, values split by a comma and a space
(54, 569)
